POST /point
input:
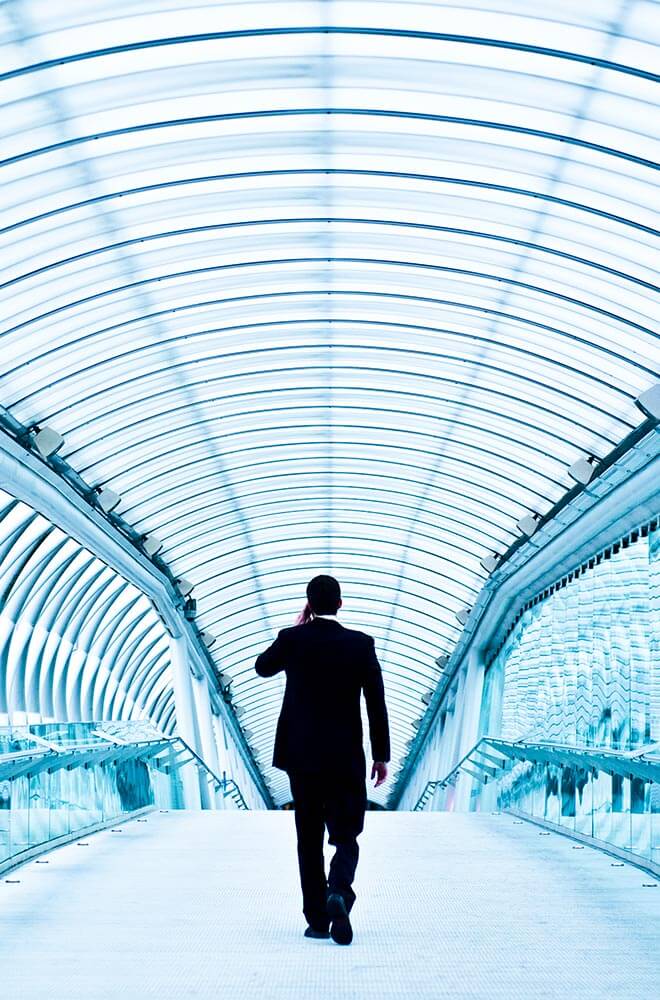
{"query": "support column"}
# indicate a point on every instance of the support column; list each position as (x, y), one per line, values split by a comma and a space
(469, 728)
(454, 739)
(446, 758)
(204, 720)
(433, 769)
(221, 752)
(196, 792)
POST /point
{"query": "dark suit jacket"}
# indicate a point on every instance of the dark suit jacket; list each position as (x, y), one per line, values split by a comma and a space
(327, 667)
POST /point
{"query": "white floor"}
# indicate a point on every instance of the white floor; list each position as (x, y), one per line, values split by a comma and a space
(207, 905)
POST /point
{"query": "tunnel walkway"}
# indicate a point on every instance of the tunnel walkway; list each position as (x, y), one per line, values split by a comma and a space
(207, 905)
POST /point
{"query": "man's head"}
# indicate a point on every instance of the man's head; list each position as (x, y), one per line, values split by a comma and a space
(324, 595)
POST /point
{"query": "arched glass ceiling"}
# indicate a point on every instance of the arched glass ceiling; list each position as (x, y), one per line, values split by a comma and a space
(331, 287)
(77, 641)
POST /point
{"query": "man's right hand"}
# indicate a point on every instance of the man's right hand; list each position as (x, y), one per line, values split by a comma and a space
(380, 769)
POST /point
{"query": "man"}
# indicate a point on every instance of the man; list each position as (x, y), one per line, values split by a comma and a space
(319, 743)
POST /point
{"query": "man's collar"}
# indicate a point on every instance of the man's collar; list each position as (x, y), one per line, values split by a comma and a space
(333, 618)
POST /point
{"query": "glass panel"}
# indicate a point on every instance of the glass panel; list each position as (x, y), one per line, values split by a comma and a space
(580, 669)
(86, 780)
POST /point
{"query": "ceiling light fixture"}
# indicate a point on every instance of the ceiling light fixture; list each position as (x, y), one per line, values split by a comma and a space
(582, 470)
(151, 544)
(47, 441)
(649, 402)
(528, 524)
(184, 586)
(208, 639)
(463, 615)
(489, 563)
(106, 498)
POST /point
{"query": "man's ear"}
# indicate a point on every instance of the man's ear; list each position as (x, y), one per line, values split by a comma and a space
(340, 603)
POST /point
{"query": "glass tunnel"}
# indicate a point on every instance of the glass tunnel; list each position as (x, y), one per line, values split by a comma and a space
(367, 289)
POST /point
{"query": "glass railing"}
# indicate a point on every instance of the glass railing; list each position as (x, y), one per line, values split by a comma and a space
(58, 781)
(609, 797)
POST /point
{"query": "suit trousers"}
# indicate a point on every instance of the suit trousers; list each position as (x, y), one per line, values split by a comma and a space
(333, 798)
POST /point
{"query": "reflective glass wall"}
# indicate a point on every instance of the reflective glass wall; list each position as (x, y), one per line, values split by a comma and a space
(60, 780)
(618, 811)
(582, 668)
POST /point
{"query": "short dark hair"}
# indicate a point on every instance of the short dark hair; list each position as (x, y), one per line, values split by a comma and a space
(323, 595)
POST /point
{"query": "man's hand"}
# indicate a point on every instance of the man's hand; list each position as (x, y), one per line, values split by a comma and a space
(380, 769)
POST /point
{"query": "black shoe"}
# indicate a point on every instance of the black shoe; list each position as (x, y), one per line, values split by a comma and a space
(341, 931)
(311, 933)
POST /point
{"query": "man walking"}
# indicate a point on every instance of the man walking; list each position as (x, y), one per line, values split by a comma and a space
(319, 743)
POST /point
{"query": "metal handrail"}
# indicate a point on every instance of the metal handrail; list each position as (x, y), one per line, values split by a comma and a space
(228, 786)
(479, 763)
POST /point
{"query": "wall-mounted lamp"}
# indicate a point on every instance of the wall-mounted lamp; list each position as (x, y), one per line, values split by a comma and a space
(489, 563)
(106, 498)
(225, 681)
(528, 524)
(649, 402)
(416, 723)
(463, 615)
(151, 544)
(248, 734)
(427, 696)
(582, 471)
(47, 441)
(239, 711)
(208, 639)
(442, 661)
(184, 586)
